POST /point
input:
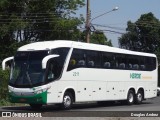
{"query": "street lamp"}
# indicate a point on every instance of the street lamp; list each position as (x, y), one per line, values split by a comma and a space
(88, 21)
(114, 9)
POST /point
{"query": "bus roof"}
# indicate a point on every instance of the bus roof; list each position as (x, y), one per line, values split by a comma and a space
(48, 45)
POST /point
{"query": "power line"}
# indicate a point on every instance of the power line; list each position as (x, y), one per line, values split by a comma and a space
(117, 28)
(37, 21)
(112, 31)
(138, 25)
(28, 13)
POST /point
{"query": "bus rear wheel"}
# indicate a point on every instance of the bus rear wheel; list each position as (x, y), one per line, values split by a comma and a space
(35, 106)
(67, 101)
(130, 97)
(139, 97)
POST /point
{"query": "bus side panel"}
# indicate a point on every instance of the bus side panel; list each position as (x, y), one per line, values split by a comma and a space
(52, 93)
(63, 86)
(151, 90)
(150, 78)
(99, 90)
(114, 90)
(84, 91)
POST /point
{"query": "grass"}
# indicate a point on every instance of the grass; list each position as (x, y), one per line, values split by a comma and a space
(5, 102)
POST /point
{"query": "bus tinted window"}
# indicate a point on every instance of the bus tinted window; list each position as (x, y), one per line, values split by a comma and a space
(78, 59)
(32, 55)
(142, 64)
(55, 65)
(108, 60)
(120, 60)
(93, 59)
(150, 63)
(61, 51)
(133, 62)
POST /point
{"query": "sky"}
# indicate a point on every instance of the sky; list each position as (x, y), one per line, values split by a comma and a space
(129, 10)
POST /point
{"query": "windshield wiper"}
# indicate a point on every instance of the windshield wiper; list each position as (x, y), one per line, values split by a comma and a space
(29, 80)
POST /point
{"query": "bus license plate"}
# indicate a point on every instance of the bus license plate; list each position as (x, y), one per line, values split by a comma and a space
(22, 100)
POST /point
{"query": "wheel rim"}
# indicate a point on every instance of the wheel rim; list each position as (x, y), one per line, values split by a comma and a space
(130, 98)
(67, 101)
(139, 97)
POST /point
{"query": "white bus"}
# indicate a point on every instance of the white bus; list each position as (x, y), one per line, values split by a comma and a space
(66, 72)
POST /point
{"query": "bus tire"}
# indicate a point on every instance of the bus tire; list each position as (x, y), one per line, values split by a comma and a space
(67, 101)
(35, 106)
(130, 97)
(139, 97)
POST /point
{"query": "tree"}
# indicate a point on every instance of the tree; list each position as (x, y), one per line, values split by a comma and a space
(99, 38)
(24, 21)
(51, 19)
(143, 35)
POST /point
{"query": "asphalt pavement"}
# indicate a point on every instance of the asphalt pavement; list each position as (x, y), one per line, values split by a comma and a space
(109, 109)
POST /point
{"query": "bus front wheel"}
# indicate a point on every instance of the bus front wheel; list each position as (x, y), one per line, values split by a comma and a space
(67, 101)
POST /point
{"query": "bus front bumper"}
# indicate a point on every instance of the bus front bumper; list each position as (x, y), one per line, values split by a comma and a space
(40, 98)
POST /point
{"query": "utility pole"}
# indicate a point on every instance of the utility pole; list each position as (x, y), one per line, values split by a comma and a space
(88, 22)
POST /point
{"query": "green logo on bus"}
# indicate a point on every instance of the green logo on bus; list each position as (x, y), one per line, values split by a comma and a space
(135, 75)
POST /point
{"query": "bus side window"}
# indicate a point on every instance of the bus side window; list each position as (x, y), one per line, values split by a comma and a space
(81, 63)
(77, 59)
(130, 66)
(107, 65)
(50, 73)
(91, 64)
(133, 62)
(120, 61)
(150, 63)
(143, 67)
(93, 59)
(72, 63)
(108, 61)
(54, 70)
(122, 66)
(135, 66)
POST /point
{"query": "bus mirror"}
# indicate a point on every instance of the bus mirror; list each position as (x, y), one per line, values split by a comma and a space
(5, 61)
(45, 60)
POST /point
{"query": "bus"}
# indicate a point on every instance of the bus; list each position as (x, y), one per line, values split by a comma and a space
(65, 72)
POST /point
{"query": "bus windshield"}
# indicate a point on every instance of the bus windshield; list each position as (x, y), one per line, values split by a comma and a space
(27, 69)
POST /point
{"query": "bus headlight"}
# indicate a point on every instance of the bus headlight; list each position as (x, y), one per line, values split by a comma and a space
(39, 91)
(42, 90)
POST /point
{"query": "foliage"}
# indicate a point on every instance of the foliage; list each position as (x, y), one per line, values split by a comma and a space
(24, 21)
(4, 77)
(4, 98)
(38, 19)
(100, 38)
(143, 35)
(96, 37)
(9, 50)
